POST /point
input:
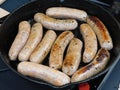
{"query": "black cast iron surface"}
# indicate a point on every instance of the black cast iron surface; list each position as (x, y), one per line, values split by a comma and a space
(11, 81)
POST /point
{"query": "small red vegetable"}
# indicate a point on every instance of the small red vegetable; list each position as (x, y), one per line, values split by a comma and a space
(84, 86)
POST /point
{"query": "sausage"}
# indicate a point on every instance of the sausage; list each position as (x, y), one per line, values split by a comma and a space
(96, 66)
(65, 12)
(43, 72)
(32, 42)
(73, 57)
(44, 47)
(90, 41)
(57, 51)
(101, 31)
(55, 24)
(20, 39)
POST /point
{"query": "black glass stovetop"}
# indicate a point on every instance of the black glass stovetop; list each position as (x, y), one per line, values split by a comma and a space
(11, 81)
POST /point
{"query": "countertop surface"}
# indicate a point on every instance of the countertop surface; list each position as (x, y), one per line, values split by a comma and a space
(11, 5)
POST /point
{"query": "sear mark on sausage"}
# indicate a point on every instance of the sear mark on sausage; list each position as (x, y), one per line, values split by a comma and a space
(99, 25)
(86, 68)
(101, 55)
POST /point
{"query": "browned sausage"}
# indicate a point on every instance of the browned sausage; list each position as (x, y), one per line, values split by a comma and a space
(44, 47)
(90, 42)
(57, 51)
(101, 31)
(73, 57)
(96, 66)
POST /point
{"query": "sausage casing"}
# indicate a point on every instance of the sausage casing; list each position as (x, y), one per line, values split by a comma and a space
(42, 72)
(20, 39)
(57, 51)
(90, 41)
(96, 66)
(55, 24)
(73, 57)
(32, 42)
(43, 47)
(101, 31)
(65, 12)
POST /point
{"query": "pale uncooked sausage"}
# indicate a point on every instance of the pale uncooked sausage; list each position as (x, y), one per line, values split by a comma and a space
(20, 39)
(66, 12)
(55, 24)
(42, 72)
(32, 42)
